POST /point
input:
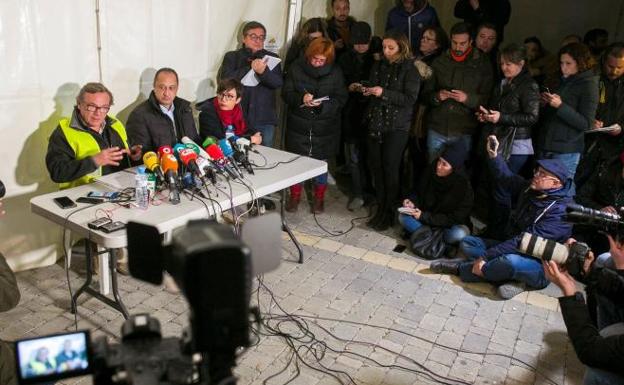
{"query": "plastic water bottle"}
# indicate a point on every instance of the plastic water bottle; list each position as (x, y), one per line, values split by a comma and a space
(141, 191)
(229, 131)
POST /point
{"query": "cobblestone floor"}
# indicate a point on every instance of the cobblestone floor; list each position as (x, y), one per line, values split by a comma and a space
(384, 317)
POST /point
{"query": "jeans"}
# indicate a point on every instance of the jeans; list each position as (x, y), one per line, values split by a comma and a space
(267, 130)
(436, 143)
(452, 235)
(595, 376)
(570, 160)
(500, 269)
(355, 154)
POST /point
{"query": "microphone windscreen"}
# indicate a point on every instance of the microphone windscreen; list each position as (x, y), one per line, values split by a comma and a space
(164, 150)
(209, 140)
(214, 152)
(200, 151)
(169, 163)
(193, 147)
(187, 155)
(225, 147)
(150, 160)
(177, 148)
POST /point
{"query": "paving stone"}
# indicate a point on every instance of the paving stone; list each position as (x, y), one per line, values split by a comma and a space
(432, 322)
(443, 356)
(464, 369)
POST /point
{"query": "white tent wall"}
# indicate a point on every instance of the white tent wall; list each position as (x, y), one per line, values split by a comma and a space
(48, 49)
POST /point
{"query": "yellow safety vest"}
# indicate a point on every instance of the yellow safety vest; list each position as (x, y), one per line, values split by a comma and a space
(84, 146)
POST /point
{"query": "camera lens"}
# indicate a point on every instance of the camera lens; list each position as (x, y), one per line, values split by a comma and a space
(543, 248)
(2, 190)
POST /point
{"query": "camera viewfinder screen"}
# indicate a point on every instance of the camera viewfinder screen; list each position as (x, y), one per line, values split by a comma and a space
(53, 357)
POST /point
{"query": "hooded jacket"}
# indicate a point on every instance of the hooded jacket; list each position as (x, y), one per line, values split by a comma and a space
(412, 24)
(538, 212)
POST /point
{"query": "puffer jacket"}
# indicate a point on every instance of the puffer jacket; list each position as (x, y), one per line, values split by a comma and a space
(473, 76)
(394, 109)
(538, 212)
(562, 129)
(412, 24)
(314, 132)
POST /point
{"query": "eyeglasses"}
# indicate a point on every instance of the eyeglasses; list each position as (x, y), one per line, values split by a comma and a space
(255, 37)
(227, 97)
(94, 108)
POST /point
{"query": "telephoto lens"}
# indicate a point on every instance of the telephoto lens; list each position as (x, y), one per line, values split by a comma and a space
(543, 248)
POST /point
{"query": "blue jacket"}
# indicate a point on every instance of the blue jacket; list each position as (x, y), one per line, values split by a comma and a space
(538, 212)
(412, 25)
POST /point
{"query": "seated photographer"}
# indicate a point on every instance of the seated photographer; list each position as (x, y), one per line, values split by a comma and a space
(603, 191)
(444, 198)
(9, 298)
(540, 211)
(600, 344)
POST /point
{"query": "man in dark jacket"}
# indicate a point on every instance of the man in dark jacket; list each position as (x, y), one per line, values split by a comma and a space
(9, 298)
(90, 143)
(163, 119)
(258, 101)
(540, 211)
(411, 17)
(339, 26)
(461, 82)
(475, 12)
(599, 345)
(603, 148)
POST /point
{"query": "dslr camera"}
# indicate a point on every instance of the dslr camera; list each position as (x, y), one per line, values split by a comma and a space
(213, 269)
(573, 256)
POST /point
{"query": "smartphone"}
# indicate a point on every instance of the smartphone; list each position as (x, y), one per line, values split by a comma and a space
(103, 194)
(64, 202)
(61, 356)
(545, 89)
(491, 143)
(90, 200)
(98, 223)
(113, 226)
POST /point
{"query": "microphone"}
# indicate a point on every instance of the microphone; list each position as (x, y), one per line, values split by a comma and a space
(169, 165)
(245, 144)
(189, 160)
(217, 155)
(195, 147)
(240, 156)
(150, 160)
(164, 150)
(228, 152)
(209, 140)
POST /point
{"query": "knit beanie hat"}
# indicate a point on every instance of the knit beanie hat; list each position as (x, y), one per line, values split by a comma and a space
(455, 153)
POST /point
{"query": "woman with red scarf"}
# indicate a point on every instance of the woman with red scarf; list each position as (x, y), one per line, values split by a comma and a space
(223, 113)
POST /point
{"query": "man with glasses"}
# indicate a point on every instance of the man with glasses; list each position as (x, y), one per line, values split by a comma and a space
(164, 118)
(258, 101)
(539, 210)
(90, 143)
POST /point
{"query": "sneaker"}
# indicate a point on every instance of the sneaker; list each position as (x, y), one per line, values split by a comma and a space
(330, 179)
(445, 267)
(355, 204)
(511, 289)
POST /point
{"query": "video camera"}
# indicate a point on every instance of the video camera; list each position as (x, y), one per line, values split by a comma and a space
(213, 269)
(573, 256)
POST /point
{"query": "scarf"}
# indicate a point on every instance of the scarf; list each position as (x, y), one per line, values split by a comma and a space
(233, 117)
(462, 57)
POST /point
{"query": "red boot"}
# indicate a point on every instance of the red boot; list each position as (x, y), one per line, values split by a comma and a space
(294, 198)
(319, 198)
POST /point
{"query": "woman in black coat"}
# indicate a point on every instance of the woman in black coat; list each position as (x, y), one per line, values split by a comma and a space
(313, 127)
(395, 83)
(512, 111)
(444, 198)
(570, 109)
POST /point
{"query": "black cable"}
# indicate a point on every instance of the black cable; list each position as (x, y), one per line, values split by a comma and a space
(275, 164)
(339, 232)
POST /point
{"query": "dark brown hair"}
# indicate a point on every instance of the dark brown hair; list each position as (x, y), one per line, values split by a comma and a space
(229, 84)
(581, 55)
(401, 40)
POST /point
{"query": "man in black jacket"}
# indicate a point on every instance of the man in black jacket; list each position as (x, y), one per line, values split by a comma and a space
(163, 119)
(603, 148)
(601, 346)
(258, 101)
